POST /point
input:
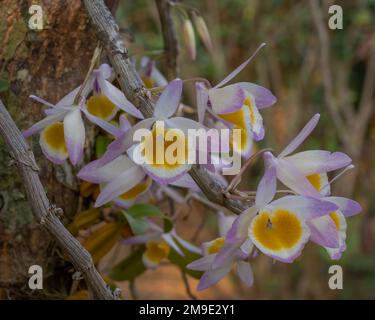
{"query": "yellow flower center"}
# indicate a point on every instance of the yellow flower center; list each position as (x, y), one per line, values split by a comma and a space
(335, 217)
(281, 230)
(215, 246)
(136, 190)
(315, 180)
(53, 136)
(100, 106)
(237, 118)
(174, 153)
(149, 82)
(156, 251)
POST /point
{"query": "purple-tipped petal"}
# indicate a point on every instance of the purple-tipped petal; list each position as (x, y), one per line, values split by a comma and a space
(40, 100)
(186, 181)
(40, 125)
(124, 141)
(294, 179)
(118, 98)
(119, 185)
(106, 126)
(318, 161)
(226, 255)
(202, 264)
(226, 100)
(67, 100)
(225, 222)
(74, 131)
(240, 227)
(169, 100)
(211, 277)
(236, 71)
(106, 172)
(301, 136)
(124, 123)
(348, 207)
(184, 124)
(323, 232)
(262, 96)
(202, 99)
(245, 272)
(267, 187)
(105, 70)
(164, 175)
(306, 207)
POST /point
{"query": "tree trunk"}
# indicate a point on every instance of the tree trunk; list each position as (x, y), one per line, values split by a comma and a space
(48, 63)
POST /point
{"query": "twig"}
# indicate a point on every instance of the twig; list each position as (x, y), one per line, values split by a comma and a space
(169, 37)
(133, 290)
(135, 91)
(44, 212)
(237, 179)
(187, 286)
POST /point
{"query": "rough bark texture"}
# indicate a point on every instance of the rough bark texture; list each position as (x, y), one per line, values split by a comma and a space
(48, 63)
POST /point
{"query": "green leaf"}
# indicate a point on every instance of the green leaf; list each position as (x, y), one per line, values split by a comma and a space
(183, 261)
(168, 224)
(101, 144)
(138, 225)
(142, 210)
(4, 85)
(129, 268)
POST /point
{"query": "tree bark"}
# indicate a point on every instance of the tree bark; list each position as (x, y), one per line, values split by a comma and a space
(47, 63)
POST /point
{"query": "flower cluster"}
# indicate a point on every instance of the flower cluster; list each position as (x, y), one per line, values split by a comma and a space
(278, 226)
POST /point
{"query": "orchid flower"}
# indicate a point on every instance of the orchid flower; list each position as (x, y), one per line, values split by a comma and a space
(237, 105)
(150, 75)
(278, 228)
(165, 107)
(159, 243)
(306, 171)
(238, 255)
(329, 231)
(62, 131)
(123, 180)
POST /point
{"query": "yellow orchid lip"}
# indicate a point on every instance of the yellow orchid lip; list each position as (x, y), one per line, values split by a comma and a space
(319, 181)
(279, 234)
(163, 148)
(215, 245)
(247, 120)
(156, 251)
(128, 198)
(100, 106)
(52, 142)
(165, 153)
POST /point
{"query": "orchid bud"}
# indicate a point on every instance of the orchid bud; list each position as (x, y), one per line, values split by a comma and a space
(189, 37)
(202, 29)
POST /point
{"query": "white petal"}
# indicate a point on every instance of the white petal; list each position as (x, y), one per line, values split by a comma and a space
(245, 272)
(74, 131)
(122, 183)
(169, 100)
